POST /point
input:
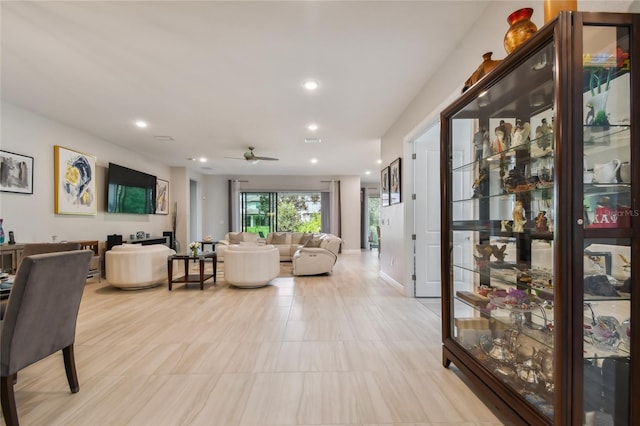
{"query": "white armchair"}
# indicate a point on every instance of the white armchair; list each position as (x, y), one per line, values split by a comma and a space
(317, 260)
(251, 266)
(234, 238)
(134, 266)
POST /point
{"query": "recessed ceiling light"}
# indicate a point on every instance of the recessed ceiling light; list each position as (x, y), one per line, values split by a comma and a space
(367, 172)
(202, 159)
(313, 127)
(310, 85)
(141, 124)
(379, 161)
(314, 160)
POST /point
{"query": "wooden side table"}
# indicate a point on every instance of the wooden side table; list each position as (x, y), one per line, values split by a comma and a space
(213, 243)
(191, 278)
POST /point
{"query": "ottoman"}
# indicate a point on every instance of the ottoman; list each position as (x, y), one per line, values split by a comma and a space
(251, 266)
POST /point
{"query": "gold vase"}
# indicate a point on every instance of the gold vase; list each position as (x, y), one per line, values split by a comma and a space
(521, 28)
(553, 7)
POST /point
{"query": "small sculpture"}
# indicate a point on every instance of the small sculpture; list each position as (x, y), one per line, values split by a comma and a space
(505, 226)
(543, 135)
(484, 252)
(541, 222)
(480, 140)
(521, 133)
(479, 185)
(499, 252)
(519, 217)
(499, 144)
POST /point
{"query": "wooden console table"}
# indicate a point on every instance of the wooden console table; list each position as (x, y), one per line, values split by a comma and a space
(10, 257)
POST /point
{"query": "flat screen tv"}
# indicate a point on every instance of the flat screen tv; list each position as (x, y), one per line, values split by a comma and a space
(130, 191)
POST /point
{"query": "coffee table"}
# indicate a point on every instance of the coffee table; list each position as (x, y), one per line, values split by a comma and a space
(191, 278)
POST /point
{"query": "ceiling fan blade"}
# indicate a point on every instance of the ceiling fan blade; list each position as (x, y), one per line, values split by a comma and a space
(266, 158)
(235, 158)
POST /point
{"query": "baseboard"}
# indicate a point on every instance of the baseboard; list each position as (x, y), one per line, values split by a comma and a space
(395, 284)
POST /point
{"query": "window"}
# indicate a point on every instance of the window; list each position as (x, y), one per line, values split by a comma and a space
(264, 212)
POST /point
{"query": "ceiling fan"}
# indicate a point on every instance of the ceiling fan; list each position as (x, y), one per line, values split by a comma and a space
(252, 157)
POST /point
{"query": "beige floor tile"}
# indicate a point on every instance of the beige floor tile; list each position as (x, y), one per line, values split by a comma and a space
(342, 349)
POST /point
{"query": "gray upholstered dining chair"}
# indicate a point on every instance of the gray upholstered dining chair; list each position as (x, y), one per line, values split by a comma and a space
(40, 318)
(39, 248)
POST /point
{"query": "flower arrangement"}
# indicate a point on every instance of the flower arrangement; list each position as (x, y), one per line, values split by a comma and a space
(194, 246)
(601, 67)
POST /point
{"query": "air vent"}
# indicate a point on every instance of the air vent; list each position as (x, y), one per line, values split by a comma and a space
(312, 140)
(163, 138)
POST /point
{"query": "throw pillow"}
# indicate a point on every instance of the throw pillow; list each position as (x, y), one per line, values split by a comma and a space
(279, 238)
(313, 243)
(305, 238)
(235, 237)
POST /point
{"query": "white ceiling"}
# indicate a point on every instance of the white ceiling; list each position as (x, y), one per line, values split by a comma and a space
(218, 77)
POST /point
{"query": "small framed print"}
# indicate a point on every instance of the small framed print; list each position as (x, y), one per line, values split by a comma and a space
(395, 183)
(162, 196)
(16, 173)
(75, 182)
(384, 186)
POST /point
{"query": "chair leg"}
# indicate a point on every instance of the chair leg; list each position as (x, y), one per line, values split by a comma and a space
(70, 368)
(9, 411)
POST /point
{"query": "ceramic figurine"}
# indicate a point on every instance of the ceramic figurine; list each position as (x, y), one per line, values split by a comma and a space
(480, 184)
(519, 217)
(480, 140)
(521, 133)
(499, 145)
(543, 135)
(541, 222)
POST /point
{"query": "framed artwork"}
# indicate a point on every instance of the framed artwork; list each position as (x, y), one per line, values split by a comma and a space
(384, 186)
(162, 196)
(75, 182)
(16, 173)
(395, 184)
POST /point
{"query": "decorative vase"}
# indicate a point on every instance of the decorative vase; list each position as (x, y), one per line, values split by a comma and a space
(487, 65)
(553, 7)
(194, 252)
(1, 232)
(521, 28)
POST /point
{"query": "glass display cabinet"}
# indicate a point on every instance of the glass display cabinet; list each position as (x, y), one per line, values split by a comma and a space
(541, 225)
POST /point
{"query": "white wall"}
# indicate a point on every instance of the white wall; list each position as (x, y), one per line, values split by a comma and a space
(485, 35)
(32, 217)
(216, 204)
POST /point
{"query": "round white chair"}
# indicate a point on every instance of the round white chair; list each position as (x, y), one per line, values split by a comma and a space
(251, 266)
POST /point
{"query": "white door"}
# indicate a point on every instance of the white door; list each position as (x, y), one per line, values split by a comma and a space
(427, 212)
(428, 206)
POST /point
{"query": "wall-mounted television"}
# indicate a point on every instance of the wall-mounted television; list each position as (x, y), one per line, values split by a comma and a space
(130, 191)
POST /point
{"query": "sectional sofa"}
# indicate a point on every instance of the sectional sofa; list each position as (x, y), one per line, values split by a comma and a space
(311, 254)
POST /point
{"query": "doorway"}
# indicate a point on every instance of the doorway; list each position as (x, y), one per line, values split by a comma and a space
(426, 177)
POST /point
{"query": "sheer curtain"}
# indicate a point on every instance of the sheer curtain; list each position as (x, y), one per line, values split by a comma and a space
(235, 224)
(330, 209)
